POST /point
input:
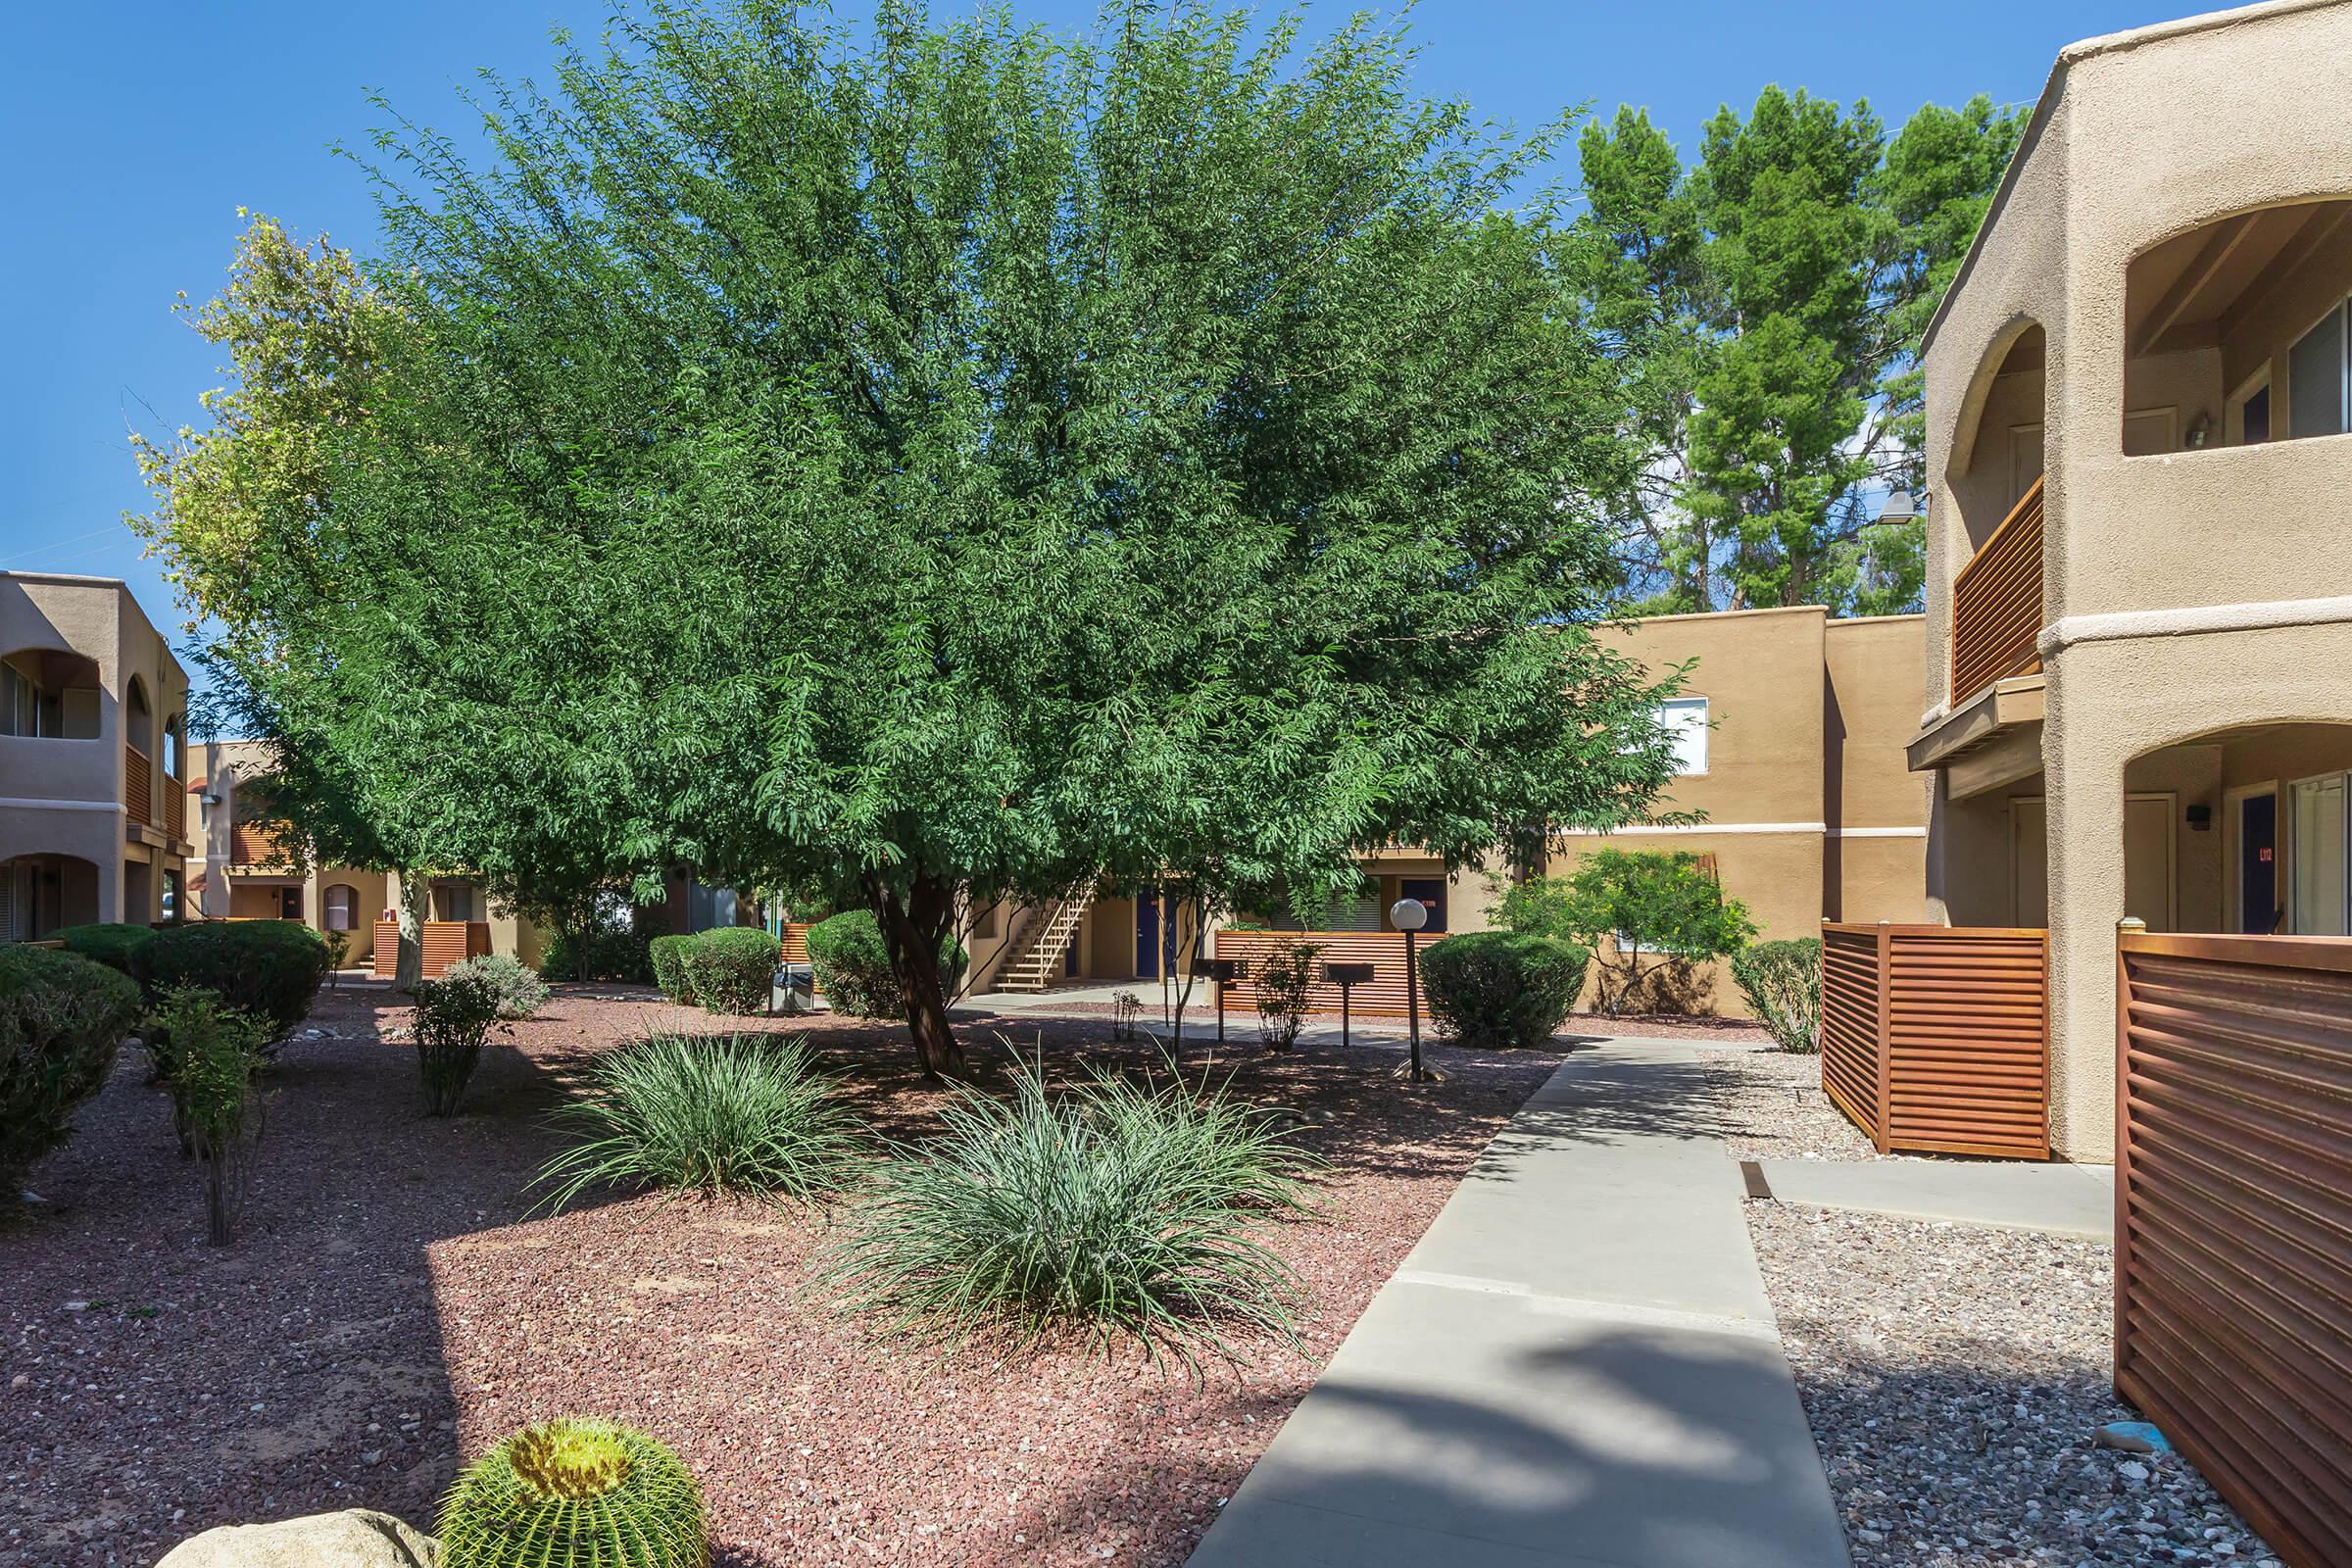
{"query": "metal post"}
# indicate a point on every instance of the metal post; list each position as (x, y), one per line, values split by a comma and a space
(1412, 1006)
(1343, 991)
(1219, 982)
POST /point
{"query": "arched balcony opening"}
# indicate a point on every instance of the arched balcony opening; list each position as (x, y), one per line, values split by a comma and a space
(1995, 485)
(49, 694)
(138, 771)
(42, 894)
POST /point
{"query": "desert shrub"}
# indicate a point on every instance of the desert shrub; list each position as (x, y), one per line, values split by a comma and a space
(666, 957)
(1114, 1210)
(217, 1051)
(853, 965)
(1782, 982)
(575, 1491)
(520, 991)
(1647, 917)
(62, 1020)
(114, 945)
(732, 968)
(456, 1016)
(1502, 988)
(1283, 979)
(740, 1115)
(270, 969)
(619, 956)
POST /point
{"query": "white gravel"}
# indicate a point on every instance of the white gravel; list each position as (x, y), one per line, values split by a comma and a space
(1773, 1108)
(1956, 1379)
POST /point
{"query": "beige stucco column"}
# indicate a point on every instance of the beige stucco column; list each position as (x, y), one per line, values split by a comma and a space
(2084, 799)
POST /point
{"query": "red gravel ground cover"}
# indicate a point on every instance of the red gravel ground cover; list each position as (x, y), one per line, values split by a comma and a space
(391, 1307)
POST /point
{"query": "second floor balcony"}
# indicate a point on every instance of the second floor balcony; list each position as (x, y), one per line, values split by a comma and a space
(1997, 604)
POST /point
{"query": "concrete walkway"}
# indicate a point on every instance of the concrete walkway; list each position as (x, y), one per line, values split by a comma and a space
(2011, 1195)
(1577, 1367)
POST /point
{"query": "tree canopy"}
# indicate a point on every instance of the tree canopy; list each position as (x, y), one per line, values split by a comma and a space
(961, 464)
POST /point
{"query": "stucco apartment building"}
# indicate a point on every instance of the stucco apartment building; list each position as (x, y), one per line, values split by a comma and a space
(2139, 591)
(93, 719)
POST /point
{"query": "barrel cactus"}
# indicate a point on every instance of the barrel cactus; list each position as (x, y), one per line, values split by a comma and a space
(574, 1494)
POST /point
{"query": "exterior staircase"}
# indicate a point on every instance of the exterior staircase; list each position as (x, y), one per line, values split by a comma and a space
(1034, 959)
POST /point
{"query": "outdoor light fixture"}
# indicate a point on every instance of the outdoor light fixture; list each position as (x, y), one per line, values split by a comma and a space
(1897, 507)
(1409, 915)
(2200, 818)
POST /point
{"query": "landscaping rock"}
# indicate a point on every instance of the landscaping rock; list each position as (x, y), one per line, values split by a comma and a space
(357, 1538)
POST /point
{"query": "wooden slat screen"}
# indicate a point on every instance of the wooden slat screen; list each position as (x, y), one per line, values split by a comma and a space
(254, 845)
(1935, 1038)
(175, 806)
(1382, 995)
(796, 944)
(2233, 1221)
(443, 942)
(137, 785)
(1996, 602)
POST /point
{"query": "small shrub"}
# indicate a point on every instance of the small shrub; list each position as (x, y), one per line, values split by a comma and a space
(456, 1016)
(852, 965)
(117, 946)
(1113, 1210)
(1782, 982)
(62, 1020)
(520, 991)
(1494, 989)
(742, 1115)
(216, 1053)
(732, 968)
(1283, 979)
(575, 1491)
(667, 958)
(1647, 917)
(270, 969)
(339, 956)
(617, 957)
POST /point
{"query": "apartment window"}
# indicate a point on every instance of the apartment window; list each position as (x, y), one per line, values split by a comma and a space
(1685, 721)
(2315, 373)
(340, 909)
(2318, 880)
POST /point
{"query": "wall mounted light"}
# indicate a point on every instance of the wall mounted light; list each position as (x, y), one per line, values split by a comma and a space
(2200, 818)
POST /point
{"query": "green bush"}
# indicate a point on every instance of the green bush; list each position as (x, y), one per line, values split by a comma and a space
(1647, 917)
(575, 1491)
(455, 1015)
(853, 968)
(1782, 982)
(520, 991)
(1113, 1210)
(116, 946)
(270, 969)
(1494, 989)
(732, 968)
(1283, 977)
(721, 1116)
(62, 1020)
(619, 956)
(216, 1053)
(666, 957)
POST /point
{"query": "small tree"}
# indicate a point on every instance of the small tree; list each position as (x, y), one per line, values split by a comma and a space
(1284, 976)
(1640, 912)
(215, 1053)
(456, 1016)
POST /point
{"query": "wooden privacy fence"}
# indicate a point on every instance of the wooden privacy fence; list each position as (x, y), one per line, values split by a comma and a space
(443, 942)
(1935, 1038)
(2234, 1220)
(1997, 604)
(1382, 995)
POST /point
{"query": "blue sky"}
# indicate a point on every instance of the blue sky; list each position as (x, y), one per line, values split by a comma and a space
(139, 129)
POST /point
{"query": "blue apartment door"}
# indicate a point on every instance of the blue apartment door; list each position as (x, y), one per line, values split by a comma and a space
(2258, 865)
(1147, 936)
(1429, 890)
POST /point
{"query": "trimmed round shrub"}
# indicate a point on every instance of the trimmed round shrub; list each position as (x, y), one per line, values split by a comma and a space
(1113, 1210)
(666, 957)
(1782, 982)
(853, 968)
(732, 968)
(741, 1115)
(62, 1020)
(114, 945)
(520, 991)
(268, 968)
(575, 1491)
(1493, 988)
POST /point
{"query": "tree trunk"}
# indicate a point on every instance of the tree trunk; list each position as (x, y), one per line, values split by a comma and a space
(912, 929)
(413, 889)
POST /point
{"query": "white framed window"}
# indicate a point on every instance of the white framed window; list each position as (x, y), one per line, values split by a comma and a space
(340, 907)
(1685, 721)
(2319, 867)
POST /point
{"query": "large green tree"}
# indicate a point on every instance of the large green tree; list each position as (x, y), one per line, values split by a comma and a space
(964, 465)
(1763, 310)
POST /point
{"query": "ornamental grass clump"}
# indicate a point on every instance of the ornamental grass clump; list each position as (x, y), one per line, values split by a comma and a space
(742, 1115)
(1113, 1210)
(574, 1494)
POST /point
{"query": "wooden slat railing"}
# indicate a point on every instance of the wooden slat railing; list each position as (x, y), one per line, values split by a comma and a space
(1382, 995)
(2234, 1220)
(254, 845)
(1997, 604)
(138, 784)
(176, 807)
(1935, 1038)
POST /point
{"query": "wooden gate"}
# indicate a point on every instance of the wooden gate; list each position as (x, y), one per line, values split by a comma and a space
(2234, 1220)
(1935, 1038)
